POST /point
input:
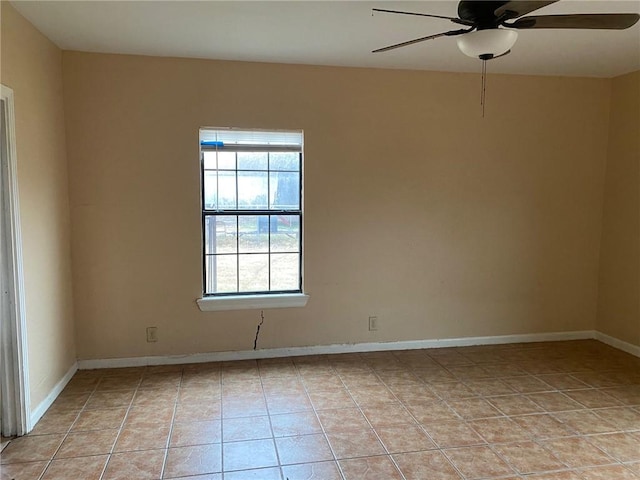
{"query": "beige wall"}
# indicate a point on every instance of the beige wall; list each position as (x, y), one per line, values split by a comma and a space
(32, 66)
(442, 223)
(619, 282)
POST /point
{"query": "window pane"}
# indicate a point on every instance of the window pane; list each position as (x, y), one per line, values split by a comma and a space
(285, 190)
(252, 160)
(220, 234)
(227, 190)
(284, 161)
(226, 160)
(254, 272)
(210, 160)
(254, 233)
(252, 190)
(222, 273)
(285, 271)
(210, 190)
(285, 233)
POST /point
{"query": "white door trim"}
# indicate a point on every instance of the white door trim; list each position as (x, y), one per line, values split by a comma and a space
(14, 373)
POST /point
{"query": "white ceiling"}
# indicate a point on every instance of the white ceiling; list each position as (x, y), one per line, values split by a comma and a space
(339, 33)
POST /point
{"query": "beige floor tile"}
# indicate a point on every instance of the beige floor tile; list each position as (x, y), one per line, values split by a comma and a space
(634, 467)
(577, 452)
(326, 400)
(500, 430)
(528, 457)
(288, 404)
(541, 426)
(110, 399)
(564, 475)
(592, 398)
(312, 471)
(80, 384)
(585, 422)
(452, 390)
(414, 394)
(470, 372)
(142, 415)
(292, 424)
(430, 412)
(143, 465)
(22, 471)
(250, 454)
(404, 438)
(628, 395)
(453, 434)
(473, 408)
(478, 462)
(31, 449)
(527, 384)
(370, 396)
(303, 449)
(432, 375)
(554, 401)
(194, 412)
(515, 405)
(142, 438)
(157, 398)
(388, 414)
(272, 473)
(562, 381)
(431, 465)
(245, 428)
(55, 422)
(323, 383)
(161, 380)
(623, 418)
(100, 419)
(490, 387)
(624, 447)
(70, 402)
(93, 442)
(343, 420)
(120, 382)
(617, 472)
(362, 443)
(196, 433)
(193, 460)
(370, 468)
(86, 468)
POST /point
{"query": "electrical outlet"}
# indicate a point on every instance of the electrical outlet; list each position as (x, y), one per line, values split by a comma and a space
(373, 324)
(152, 334)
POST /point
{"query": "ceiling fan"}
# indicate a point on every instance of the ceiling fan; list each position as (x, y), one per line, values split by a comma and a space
(490, 27)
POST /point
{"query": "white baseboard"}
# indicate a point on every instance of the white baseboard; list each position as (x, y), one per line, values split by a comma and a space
(619, 344)
(39, 411)
(331, 349)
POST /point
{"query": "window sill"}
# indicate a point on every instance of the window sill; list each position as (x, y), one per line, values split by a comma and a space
(252, 302)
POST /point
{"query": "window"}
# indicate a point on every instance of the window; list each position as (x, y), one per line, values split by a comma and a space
(251, 212)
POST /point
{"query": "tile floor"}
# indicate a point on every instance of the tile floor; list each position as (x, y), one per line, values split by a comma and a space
(564, 411)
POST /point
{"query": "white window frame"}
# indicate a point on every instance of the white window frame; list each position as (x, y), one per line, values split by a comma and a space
(262, 300)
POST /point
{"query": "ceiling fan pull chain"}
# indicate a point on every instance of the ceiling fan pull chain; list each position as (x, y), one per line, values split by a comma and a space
(483, 88)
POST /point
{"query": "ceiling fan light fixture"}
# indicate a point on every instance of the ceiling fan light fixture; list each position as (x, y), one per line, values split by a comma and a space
(487, 43)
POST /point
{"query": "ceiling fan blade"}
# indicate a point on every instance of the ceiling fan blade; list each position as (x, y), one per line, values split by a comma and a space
(450, 33)
(515, 9)
(453, 19)
(607, 21)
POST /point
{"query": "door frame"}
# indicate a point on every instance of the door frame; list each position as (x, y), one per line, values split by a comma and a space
(14, 369)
